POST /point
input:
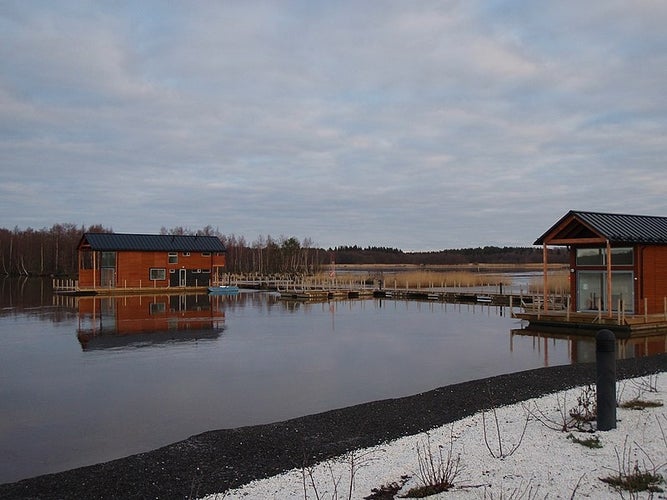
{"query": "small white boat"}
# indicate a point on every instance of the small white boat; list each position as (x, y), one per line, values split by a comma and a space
(223, 289)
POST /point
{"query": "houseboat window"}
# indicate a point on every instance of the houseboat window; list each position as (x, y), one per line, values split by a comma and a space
(108, 259)
(590, 257)
(590, 286)
(86, 260)
(622, 256)
(155, 273)
(592, 291)
(173, 257)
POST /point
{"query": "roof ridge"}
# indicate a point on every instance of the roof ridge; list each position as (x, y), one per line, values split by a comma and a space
(617, 214)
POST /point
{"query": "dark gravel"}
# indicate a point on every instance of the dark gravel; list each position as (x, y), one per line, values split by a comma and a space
(218, 460)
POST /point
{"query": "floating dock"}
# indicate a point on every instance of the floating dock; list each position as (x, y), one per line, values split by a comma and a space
(323, 295)
(589, 323)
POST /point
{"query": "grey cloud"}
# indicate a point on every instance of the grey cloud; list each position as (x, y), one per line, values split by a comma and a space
(420, 126)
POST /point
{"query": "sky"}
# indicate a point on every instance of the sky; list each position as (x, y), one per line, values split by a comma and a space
(415, 125)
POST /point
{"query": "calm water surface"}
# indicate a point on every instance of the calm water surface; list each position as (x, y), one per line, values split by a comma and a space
(88, 380)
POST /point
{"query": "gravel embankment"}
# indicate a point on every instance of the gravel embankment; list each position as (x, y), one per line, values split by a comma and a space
(218, 460)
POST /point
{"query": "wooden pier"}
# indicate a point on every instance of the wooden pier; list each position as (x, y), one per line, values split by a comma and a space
(589, 323)
(462, 295)
(302, 290)
(526, 307)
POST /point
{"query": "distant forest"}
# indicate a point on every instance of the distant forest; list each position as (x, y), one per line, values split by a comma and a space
(53, 252)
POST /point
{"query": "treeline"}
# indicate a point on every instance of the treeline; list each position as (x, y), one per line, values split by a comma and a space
(479, 255)
(48, 251)
(53, 251)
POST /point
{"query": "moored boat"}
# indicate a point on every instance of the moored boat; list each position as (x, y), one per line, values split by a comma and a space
(223, 289)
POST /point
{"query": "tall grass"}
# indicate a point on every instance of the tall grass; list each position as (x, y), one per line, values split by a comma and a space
(425, 279)
(557, 282)
(422, 279)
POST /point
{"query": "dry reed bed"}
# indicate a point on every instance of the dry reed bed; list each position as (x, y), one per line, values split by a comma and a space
(558, 281)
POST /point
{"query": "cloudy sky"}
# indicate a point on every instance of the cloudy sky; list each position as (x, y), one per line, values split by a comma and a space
(419, 125)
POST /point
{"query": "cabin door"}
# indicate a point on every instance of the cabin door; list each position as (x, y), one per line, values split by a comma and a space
(182, 277)
(107, 277)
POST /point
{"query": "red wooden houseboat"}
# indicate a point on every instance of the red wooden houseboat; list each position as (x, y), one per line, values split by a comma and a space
(618, 270)
(117, 262)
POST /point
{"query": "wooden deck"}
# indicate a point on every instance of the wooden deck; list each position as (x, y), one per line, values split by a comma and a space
(589, 323)
(323, 295)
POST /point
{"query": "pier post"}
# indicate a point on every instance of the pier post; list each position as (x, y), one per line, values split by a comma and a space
(605, 365)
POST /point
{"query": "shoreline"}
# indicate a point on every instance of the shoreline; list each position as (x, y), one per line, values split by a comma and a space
(219, 460)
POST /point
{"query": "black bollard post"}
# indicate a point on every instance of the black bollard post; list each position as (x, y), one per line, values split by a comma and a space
(605, 360)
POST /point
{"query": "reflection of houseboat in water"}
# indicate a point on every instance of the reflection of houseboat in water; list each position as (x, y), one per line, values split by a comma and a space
(108, 322)
(581, 348)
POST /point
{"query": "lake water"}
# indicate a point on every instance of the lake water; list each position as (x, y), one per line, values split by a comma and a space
(88, 380)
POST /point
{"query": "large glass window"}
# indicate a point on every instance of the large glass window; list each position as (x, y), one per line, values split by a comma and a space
(590, 287)
(622, 291)
(590, 257)
(620, 256)
(155, 273)
(108, 259)
(108, 277)
(86, 259)
(592, 291)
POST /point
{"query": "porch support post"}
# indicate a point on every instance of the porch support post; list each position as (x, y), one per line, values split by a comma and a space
(609, 299)
(545, 283)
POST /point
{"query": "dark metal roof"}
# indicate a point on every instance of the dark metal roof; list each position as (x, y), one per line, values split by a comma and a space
(616, 228)
(152, 242)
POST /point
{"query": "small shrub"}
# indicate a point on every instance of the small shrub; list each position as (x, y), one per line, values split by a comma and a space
(501, 450)
(580, 417)
(633, 477)
(528, 492)
(387, 491)
(591, 442)
(636, 481)
(649, 383)
(586, 410)
(437, 471)
(355, 461)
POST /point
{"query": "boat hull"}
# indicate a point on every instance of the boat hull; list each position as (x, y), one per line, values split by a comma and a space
(223, 290)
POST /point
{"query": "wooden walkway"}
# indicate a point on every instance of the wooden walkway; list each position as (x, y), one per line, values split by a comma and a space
(462, 295)
(335, 289)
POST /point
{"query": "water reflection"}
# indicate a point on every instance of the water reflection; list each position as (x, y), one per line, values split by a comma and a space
(147, 320)
(581, 348)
